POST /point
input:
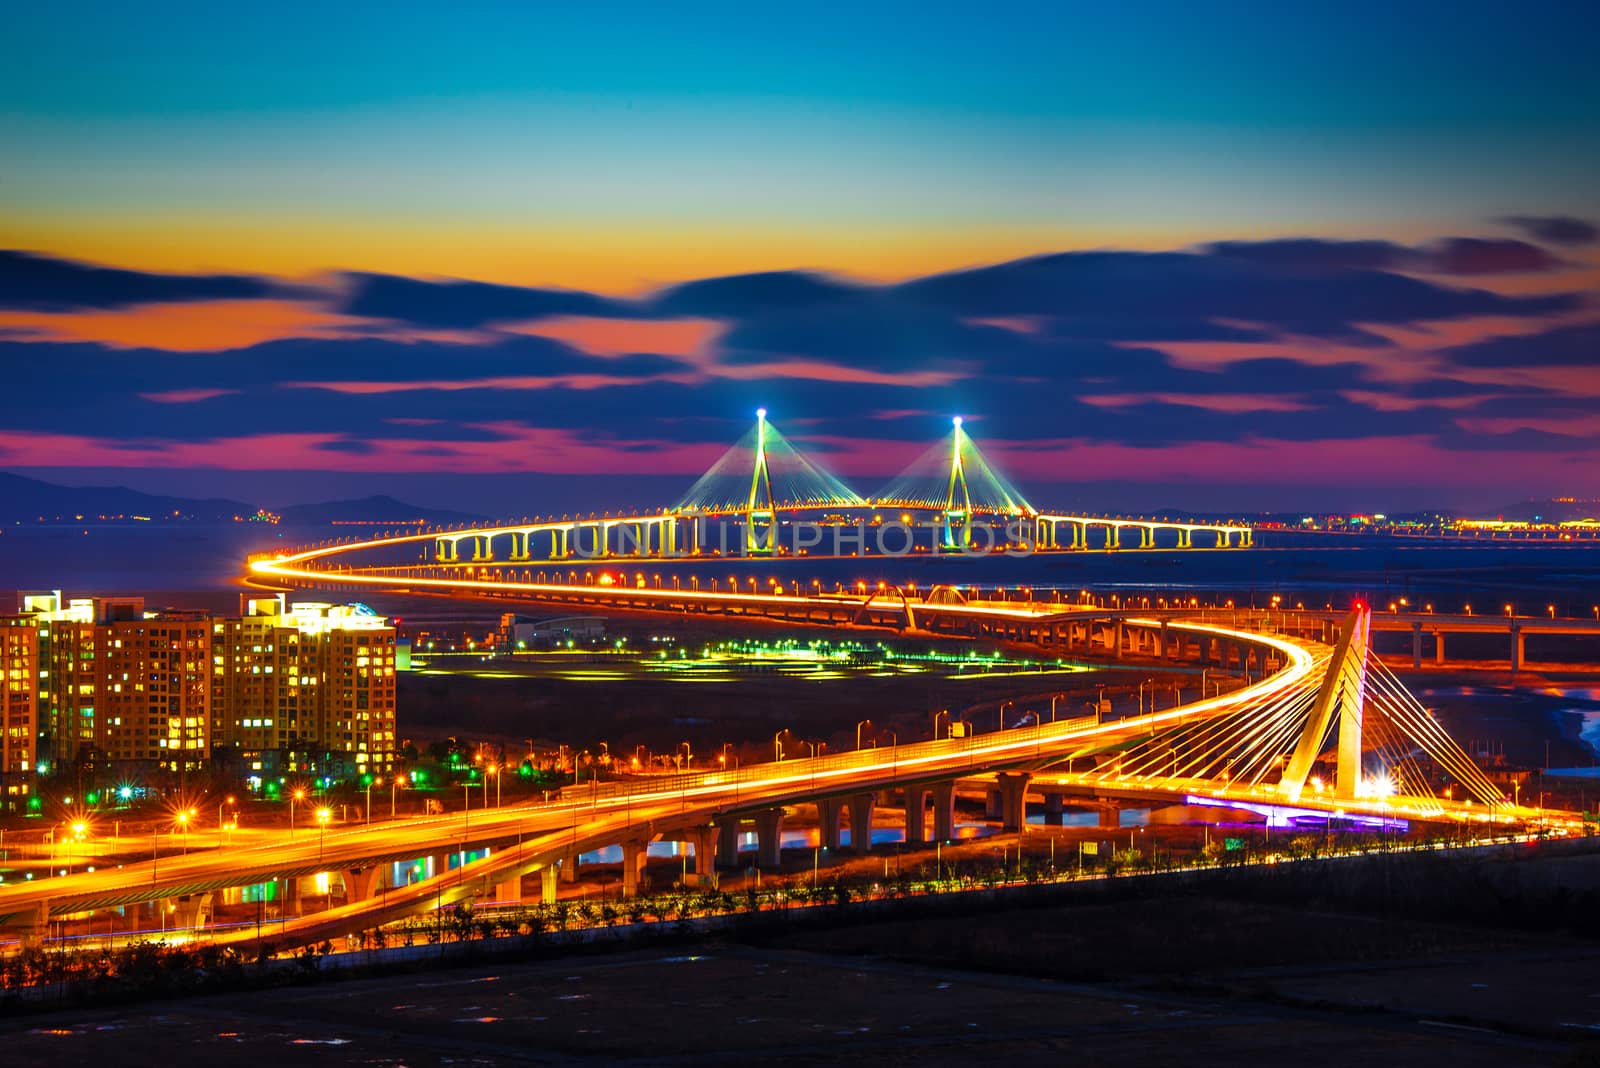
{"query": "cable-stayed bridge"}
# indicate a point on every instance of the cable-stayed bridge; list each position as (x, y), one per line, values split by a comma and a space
(754, 502)
(1317, 731)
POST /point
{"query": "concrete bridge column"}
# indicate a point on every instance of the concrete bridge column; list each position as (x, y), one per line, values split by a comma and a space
(1110, 817)
(993, 803)
(1053, 809)
(1116, 639)
(944, 811)
(569, 867)
(508, 890)
(519, 545)
(828, 812)
(548, 883)
(363, 883)
(916, 815)
(292, 905)
(35, 927)
(1438, 647)
(1161, 642)
(704, 839)
(728, 841)
(769, 837)
(1013, 799)
(861, 806)
(633, 861)
(1517, 648)
(1416, 647)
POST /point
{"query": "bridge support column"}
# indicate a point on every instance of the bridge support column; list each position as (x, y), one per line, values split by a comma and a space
(861, 806)
(362, 883)
(549, 877)
(508, 890)
(704, 839)
(828, 812)
(1416, 647)
(291, 897)
(728, 841)
(634, 855)
(1110, 817)
(569, 867)
(944, 811)
(35, 927)
(916, 815)
(1013, 800)
(1116, 639)
(993, 804)
(1517, 649)
(1053, 809)
(769, 837)
(1438, 647)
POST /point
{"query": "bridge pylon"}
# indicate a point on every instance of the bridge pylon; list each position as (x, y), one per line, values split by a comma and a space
(958, 498)
(1343, 692)
(760, 516)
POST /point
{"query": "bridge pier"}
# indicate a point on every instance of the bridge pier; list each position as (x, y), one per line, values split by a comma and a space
(861, 806)
(828, 812)
(1054, 809)
(769, 837)
(1518, 650)
(916, 815)
(508, 890)
(35, 928)
(634, 855)
(728, 841)
(704, 842)
(363, 883)
(549, 876)
(1110, 817)
(1438, 647)
(569, 867)
(1013, 799)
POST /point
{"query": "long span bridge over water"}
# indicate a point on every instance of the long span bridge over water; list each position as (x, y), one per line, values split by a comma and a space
(764, 498)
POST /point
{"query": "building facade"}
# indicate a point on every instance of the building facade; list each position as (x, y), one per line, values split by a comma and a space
(117, 686)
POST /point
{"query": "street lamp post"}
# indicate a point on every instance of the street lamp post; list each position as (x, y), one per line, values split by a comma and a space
(368, 792)
(863, 723)
(297, 796)
(1000, 714)
(394, 781)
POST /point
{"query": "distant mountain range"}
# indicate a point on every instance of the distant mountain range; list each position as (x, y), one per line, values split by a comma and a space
(28, 500)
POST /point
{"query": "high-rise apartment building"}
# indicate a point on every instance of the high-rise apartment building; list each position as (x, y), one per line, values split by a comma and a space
(115, 683)
(19, 710)
(305, 677)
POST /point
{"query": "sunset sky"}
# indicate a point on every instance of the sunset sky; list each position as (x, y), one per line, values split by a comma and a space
(1168, 254)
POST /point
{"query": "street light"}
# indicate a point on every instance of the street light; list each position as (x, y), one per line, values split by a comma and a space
(370, 784)
(183, 822)
(941, 714)
(323, 816)
(298, 795)
(863, 723)
(1000, 714)
(394, 781)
